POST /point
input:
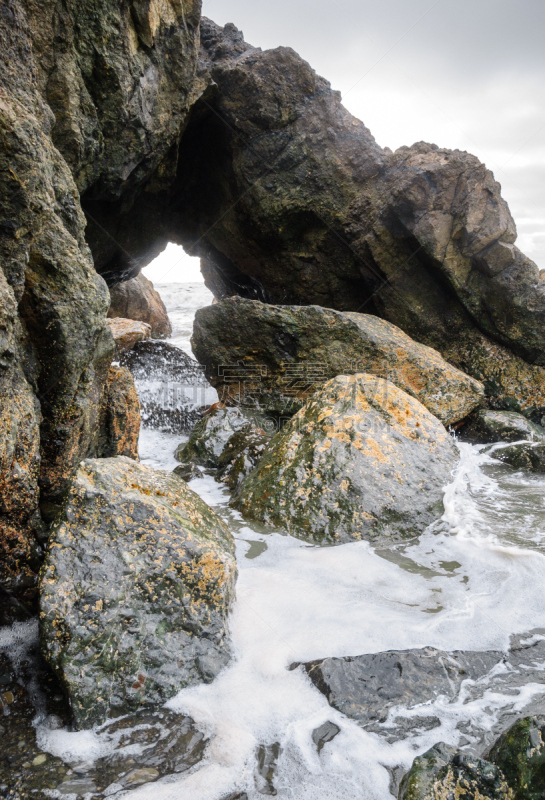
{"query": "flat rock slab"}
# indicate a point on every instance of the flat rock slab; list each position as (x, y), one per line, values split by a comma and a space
(138, 582)
(366, 687)
(286, 353)
(361, 460)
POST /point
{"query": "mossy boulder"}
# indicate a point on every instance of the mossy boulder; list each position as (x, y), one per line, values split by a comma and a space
(361, 460)
(241, 455)
(286, 353)
(486, 427)
(527, 455)
(210, 436)
(443, 773)
(520, 754)
(135, 591)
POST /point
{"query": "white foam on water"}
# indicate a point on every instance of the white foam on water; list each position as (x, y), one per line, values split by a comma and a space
(468, 582)
(462, 585)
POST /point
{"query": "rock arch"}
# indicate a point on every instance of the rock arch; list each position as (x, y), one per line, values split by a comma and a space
(129, 124)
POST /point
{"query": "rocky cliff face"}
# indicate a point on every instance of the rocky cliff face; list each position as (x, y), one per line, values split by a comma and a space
(126, 125)
(93, 98)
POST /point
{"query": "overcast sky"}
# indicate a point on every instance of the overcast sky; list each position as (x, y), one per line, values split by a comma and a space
(467, 74)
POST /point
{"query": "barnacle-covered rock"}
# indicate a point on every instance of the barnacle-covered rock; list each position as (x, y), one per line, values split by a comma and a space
(361, 460)
(119, 421)
(135, 592)
(444, 773)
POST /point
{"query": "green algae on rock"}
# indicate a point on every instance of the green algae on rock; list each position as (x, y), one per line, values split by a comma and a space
(361, 460)
(135, 591)
(295, 349)
(241, 455)
(520, 754)
(444, 773)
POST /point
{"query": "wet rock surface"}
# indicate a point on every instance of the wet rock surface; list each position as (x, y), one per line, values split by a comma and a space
(527, 456)
(487, 427)
(324, 734)
(520, 754)
(443, 773)
(25, 771)
(210, 438)
(288, 352)
(392, 693)
(513, 769)
(127, 333)
(267, 759)
(366, 687)
(170, 385)
(138, 581)
(137, 299)
(241, 455)
(141, 748)
(361, 460)
(187, 472)
(119, 420)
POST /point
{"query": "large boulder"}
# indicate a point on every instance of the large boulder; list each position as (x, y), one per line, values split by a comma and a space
(301, 206)
(137, 299)
(285, 353)
(135, 592)
(361, 460)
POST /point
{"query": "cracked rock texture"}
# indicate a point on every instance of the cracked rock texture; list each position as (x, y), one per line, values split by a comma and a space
(135, 591)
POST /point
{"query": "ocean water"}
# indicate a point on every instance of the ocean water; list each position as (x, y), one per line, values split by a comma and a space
(471, 581)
